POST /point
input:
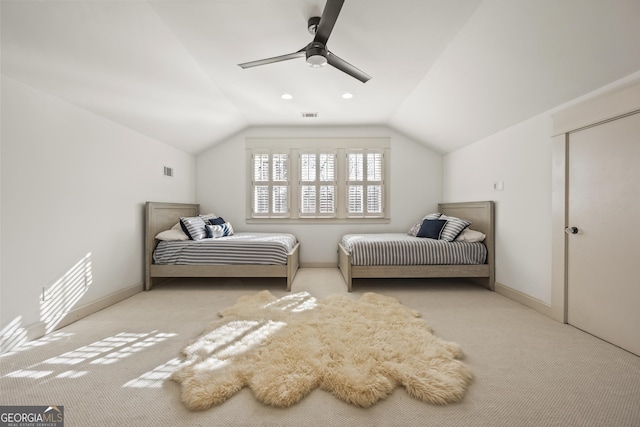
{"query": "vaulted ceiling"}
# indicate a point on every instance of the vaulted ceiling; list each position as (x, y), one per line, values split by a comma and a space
(445, 73)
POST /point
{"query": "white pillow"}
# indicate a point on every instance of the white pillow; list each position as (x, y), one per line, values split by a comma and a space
(177, 227)
(469, 235)
(172, 235)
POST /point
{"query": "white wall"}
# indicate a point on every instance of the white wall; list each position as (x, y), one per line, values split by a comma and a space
(416, 187)
(73, 193)
(520, 157)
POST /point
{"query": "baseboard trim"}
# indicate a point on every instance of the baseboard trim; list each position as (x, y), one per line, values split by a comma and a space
(319, 265)
(524, 299)
(22, 335)
(99, 304)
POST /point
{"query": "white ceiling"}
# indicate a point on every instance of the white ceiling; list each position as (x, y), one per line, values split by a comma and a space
(445, 72)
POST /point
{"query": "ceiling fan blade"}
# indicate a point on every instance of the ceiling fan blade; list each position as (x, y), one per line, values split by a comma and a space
(280, 58)
(328, 20)
(344, 66)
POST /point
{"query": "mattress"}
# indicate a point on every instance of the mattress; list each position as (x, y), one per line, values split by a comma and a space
(240, 248)
(402, 249)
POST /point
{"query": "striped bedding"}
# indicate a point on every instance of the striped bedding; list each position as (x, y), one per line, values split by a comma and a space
(402, 249)
(240, 248)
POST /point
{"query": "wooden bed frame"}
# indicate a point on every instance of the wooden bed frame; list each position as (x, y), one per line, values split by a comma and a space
(163, 216)
(482, 218)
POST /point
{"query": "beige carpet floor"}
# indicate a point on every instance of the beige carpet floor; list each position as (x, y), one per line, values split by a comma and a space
(112, 368)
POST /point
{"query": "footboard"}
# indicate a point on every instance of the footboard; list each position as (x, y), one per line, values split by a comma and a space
(344, 262)
(293, 262)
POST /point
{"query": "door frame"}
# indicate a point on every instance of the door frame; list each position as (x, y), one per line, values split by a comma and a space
(611, 105)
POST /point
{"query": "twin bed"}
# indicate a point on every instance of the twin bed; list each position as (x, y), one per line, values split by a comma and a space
(398, 255)
(239, 255)
(381, 255)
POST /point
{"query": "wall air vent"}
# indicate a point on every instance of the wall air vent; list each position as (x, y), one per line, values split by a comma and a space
(168, 171)
(309, 115)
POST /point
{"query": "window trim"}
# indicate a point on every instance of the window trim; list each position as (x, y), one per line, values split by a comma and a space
(296, 146)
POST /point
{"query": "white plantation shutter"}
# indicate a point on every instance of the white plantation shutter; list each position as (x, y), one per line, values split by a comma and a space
(280, 175)
(374, 167)
(280, 162)
(365, 185)
(307, 167)
(355, 201)
(308, 199)
(327, 167)
(280, 200)
(270, 184)
(327, 199)
(356, 166)
(261, 199)
(317, 184)
(374, 199)
(261, 167)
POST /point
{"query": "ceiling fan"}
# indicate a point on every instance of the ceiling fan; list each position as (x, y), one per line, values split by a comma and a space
(316, 52)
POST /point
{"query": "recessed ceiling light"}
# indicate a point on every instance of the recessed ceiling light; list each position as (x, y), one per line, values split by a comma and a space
(286, 96)
(347, 95)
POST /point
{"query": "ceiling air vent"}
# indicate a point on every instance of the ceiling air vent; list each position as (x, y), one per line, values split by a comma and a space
(309, 115)
(168, 171)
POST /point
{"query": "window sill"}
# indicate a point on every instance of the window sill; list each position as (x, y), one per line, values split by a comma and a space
(318, 220)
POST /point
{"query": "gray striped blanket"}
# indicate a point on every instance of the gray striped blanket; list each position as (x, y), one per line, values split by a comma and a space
(240, 248)
(402, 249)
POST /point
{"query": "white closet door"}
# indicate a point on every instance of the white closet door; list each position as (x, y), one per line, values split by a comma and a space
(604, 255)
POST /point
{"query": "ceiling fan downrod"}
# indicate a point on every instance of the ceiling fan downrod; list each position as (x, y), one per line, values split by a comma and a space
(312, 25)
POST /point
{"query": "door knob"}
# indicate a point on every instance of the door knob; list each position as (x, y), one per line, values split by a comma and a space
(571, 230)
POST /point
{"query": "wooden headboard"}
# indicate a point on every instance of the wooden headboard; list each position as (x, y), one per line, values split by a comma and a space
(160, 217)
(481, 215)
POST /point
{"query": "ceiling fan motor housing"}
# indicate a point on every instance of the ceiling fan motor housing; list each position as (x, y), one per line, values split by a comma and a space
(316, 55)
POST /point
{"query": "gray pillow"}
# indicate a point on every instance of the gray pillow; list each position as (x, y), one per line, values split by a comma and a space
(453, 228)
(194, 227)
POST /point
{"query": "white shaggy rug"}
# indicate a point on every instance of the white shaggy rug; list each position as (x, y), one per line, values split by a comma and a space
(283, 348)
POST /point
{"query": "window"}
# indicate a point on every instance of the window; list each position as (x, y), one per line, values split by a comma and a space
(365, 183)
(270, 184)
(321, 178)
(317, 184)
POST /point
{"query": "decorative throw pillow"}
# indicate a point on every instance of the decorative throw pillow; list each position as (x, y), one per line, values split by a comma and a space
(217, 221)
(431, 228)
(413, 231)
(215, 231)
(172, 235)
(453, 228)
(193, 227)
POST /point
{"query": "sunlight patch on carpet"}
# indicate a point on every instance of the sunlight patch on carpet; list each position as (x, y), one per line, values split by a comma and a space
(284, 348)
